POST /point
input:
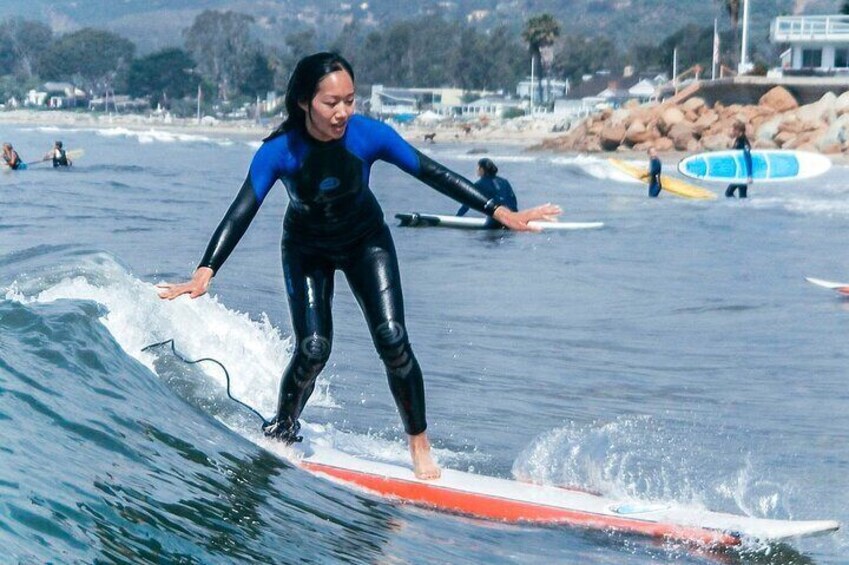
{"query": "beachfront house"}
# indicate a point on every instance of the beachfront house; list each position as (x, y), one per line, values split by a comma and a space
(818, 45)
(56, 95)
(491, 106)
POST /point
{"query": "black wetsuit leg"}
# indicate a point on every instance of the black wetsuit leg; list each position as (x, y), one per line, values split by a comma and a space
(372, 271)
(743, 190)
(309, 286)
(729, 192)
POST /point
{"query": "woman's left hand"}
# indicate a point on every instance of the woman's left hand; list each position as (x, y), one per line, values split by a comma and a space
(518, 221)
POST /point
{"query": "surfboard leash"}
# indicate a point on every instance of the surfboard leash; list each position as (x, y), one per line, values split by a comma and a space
(217, 362)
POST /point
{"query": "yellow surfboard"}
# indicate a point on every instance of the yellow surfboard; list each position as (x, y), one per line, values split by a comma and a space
(670, 184)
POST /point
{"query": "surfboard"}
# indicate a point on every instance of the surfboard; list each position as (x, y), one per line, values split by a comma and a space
(671, 185)
(769, 165)
(509, 501)
(72, 154)
(840, 288)
(416, 220)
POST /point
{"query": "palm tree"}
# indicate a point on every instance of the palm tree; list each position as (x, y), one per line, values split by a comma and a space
(540, 33)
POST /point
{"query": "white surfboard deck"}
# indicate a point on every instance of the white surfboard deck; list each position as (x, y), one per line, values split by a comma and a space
(459, 222)
(842, 288)
(768, 165)
(510, 501)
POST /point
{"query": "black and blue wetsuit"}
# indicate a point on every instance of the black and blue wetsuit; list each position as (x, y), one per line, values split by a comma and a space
(334, 222)
(654, 177)
(498, 189)
(742, 143)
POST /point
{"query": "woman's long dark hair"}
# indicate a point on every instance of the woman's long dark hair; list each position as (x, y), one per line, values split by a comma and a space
(303, 84)
(488, 167)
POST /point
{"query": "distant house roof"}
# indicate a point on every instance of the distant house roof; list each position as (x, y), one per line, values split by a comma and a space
(601, 82)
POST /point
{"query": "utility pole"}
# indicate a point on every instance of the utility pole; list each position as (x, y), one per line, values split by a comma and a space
(744, 48)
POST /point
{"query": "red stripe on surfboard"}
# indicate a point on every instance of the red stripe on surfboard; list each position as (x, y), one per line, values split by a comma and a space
(505, 510)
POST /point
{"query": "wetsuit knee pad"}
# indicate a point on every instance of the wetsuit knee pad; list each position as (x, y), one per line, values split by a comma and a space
(311, 356)
(392, 344)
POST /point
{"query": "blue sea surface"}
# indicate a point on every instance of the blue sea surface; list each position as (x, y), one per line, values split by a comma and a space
(675, 356)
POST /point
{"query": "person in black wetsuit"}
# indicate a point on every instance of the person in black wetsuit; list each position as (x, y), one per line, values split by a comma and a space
(58, 156)
(741, 142)
(492, 186)
(653, 174)
(11, 158)
(323, 154)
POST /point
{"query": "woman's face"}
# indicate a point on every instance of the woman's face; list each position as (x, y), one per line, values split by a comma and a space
(331, 107)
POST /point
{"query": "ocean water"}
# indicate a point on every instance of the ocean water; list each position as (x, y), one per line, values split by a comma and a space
(676, 355)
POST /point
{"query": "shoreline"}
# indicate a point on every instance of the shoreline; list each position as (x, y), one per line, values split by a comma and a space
(524, 133)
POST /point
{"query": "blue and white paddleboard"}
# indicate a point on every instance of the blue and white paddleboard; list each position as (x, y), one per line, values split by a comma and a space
(769, 165)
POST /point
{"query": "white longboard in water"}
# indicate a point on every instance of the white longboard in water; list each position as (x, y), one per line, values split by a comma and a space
(415, 220)
(840, 288)
(504, 500)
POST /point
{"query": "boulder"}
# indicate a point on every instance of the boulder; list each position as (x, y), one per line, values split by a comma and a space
(705, 121)
(669, 118)
(694, 146)
(694, 104)
(768, 129)
(764, 144)
(841, 105)
(836, 134)
(779, 99)
(716, 142)
(611, 136)
(782, 138)
(681, 134)
(820, 111)
(663, 144)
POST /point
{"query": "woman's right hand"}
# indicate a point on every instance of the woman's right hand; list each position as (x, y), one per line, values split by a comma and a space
(194, 288)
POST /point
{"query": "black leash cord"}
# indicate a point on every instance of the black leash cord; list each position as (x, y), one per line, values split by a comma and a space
(191, 362)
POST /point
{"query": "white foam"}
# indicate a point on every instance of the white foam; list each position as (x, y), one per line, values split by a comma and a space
(159, 136)
(253, 350)
(595, 167)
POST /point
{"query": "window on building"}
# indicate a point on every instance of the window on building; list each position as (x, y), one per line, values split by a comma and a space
(841, 58)
(811, 58)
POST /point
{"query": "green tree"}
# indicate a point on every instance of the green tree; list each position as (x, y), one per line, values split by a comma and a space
(221, 42)
(580, 55)
(163, 76)
(259, 76)
(540, 33)
(23, 44)
(90, 57)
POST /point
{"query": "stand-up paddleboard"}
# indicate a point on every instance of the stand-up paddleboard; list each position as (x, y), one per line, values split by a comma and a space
(669, 184)
(415, 220)
(509, 501)
(840, 288)
(769, 165)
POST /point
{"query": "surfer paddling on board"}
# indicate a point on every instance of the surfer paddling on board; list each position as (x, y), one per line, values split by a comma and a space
(494, 187)
(741, 142)
(323, 153)
(653, 175)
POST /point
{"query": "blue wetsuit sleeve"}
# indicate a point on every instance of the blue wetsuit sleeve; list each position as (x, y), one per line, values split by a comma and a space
(393, 149)
(239, 216)
(462, 211)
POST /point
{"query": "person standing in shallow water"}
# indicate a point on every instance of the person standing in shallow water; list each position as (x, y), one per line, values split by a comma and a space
(492, 186)
(11, 158)
(653, 174)
(323, 154)
(58, 156)
(741, 142)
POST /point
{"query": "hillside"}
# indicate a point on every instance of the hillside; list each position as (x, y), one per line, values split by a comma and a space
(153, 24)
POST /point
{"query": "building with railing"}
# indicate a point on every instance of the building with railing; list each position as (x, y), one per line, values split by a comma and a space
(817, 43)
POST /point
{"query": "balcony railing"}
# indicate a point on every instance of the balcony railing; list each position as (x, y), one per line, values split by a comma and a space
(810, 28)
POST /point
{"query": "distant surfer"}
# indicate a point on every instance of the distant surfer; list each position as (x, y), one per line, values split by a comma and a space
(494, 187)
(11, 158)
(323, 153)
(741, 142)
(653, 174)
(58, 155)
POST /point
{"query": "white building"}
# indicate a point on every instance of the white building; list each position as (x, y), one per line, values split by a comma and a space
(817, 43)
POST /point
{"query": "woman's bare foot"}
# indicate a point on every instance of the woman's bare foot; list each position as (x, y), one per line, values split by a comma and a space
(423, 464)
